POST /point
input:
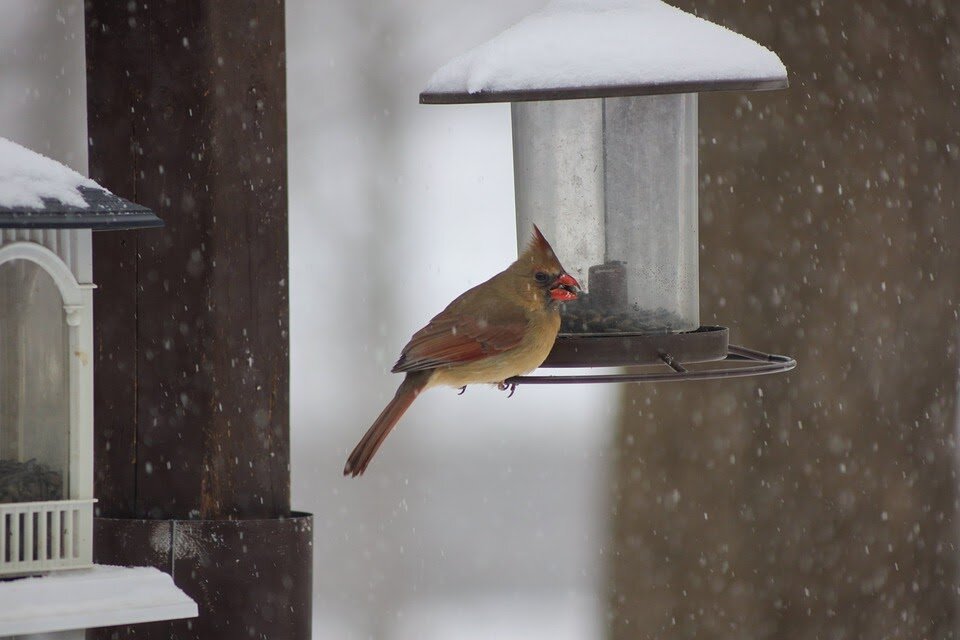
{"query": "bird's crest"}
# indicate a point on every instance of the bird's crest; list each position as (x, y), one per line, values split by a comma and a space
(539, 246)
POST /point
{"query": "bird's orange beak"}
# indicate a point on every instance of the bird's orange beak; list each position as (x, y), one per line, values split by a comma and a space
(564, 288)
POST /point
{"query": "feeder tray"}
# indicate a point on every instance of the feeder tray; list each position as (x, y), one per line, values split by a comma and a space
(706, 344)
(736, 362)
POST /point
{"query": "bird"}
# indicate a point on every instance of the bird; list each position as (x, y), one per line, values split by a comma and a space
(503, 327)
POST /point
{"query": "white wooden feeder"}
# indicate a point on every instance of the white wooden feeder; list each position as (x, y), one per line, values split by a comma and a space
(47, 213)
(604, 106)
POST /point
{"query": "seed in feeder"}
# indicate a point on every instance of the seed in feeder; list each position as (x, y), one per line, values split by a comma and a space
(28, 481)
(584, 315)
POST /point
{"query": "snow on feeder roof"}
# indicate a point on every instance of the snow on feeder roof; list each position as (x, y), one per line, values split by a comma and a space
(605, 48)
(37, 192)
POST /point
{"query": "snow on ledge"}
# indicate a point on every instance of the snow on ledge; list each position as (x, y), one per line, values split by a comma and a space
(26, 177)
(86, 598)
(594, 43)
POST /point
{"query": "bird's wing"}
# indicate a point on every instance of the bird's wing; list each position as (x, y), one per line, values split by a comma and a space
(452, 338)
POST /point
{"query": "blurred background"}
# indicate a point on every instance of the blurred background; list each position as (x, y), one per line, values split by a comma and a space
(817, 504)
(483, 516)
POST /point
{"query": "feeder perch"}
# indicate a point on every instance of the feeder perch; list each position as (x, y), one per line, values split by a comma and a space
(604, 100)
(47, 213)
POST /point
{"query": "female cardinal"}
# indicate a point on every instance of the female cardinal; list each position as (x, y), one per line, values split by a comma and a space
(501, 328)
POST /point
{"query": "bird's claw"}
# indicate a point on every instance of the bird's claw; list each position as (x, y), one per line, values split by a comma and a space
(462, 390)
(503, 386)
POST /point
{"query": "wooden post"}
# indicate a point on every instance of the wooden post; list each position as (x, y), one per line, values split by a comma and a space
(187, 115)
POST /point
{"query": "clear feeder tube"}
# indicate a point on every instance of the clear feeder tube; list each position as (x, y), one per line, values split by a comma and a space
(612, 183)
(34, 398)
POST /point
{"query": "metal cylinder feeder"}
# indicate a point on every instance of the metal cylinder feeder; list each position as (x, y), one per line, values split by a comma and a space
(604, 104)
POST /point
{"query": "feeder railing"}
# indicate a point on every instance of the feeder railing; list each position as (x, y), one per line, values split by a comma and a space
(40, 536)
(739, 363)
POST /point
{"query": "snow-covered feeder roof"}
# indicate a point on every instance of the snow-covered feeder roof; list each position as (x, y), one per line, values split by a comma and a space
(605, 48)
(37, 192)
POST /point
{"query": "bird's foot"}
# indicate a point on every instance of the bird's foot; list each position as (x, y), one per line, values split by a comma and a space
(503, 386)
(462, 389)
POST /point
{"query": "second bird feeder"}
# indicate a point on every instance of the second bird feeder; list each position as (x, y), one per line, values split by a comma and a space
(47, 214)
(604, 100)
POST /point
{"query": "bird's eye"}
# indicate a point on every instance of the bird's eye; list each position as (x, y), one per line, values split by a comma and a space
(541, 277)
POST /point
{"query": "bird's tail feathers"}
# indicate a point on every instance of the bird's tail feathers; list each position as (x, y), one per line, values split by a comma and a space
(409, 389)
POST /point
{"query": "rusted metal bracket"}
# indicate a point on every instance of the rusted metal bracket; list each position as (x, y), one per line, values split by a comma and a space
(263, 573)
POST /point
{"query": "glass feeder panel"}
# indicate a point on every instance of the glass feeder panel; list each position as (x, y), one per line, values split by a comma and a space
(34, 403)
(612, 183)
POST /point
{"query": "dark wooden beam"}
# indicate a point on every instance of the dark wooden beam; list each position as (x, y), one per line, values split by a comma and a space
(187, 116)
(186, 111)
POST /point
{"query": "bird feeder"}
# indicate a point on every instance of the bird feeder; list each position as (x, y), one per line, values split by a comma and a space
(47, 213)
(604, 101)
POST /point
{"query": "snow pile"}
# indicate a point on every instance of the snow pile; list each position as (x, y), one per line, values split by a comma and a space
(590, 43)
(26, 177)
(95, 597)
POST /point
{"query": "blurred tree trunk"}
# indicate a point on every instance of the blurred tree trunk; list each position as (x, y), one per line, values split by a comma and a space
(822, 503)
